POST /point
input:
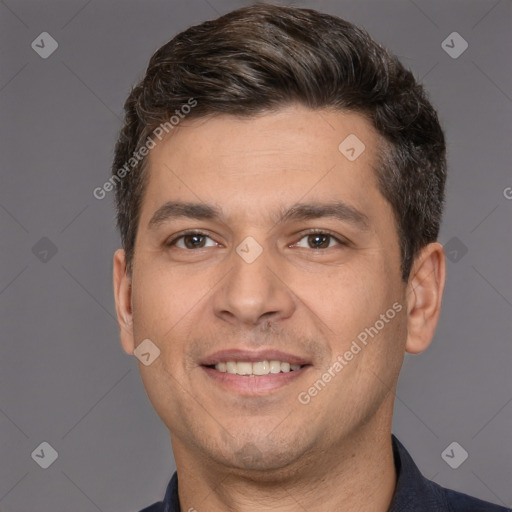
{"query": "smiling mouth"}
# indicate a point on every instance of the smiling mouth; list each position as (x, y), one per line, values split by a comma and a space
(256, 369)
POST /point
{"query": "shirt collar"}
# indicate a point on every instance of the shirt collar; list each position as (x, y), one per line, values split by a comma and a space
(171, 500)
(412, 492)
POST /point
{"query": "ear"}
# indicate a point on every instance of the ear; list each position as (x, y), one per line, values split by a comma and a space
(424, 296)
(122, 295)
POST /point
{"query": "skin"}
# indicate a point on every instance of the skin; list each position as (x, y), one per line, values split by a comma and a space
(270, 452)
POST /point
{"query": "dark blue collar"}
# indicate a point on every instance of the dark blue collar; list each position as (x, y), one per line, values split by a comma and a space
(413, 492)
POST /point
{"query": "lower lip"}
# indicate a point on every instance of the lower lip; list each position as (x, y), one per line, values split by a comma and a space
(257, 385)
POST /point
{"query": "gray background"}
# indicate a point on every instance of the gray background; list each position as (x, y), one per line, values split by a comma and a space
(64, 378)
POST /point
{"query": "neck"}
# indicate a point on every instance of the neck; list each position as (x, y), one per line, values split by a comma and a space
(356, 474)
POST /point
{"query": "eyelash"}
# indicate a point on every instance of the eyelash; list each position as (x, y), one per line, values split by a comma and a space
(342, 242)
(172, 241)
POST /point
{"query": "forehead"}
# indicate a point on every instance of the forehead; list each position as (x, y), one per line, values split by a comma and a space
(253, 162)
(292, 133)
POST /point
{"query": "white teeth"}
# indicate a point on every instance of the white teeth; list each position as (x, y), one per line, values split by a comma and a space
(275, 366)
(230, 367)
(261, 368)
(258, 368)
(244, 368)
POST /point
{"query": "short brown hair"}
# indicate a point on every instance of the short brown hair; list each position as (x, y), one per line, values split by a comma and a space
(263, 57)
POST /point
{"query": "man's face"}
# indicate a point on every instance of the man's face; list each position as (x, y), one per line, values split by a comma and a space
(266, 286)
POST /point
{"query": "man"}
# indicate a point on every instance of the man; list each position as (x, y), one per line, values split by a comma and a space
(279, 185)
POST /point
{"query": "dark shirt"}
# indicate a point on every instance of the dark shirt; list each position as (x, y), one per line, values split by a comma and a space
(413, 492)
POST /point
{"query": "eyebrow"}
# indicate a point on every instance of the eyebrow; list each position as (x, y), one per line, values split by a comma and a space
(337, 210)
(301, 211)
(175, 209)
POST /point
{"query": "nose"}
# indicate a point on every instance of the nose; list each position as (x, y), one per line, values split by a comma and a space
(254, 292)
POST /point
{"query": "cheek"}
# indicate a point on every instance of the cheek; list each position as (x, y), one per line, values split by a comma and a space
(162, 297)
(159, 308)
(346, 298)
(351, 306)
(162, 308)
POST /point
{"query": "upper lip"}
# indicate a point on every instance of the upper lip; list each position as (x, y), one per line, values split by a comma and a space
(252, 357)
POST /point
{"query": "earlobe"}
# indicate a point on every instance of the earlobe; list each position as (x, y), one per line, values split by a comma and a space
(424, 297)
(122, 295)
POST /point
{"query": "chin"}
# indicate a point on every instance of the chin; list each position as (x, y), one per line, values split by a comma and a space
(261, 456)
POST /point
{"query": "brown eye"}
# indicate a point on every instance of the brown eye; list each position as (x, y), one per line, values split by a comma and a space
(319, 240)
(192, 241)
